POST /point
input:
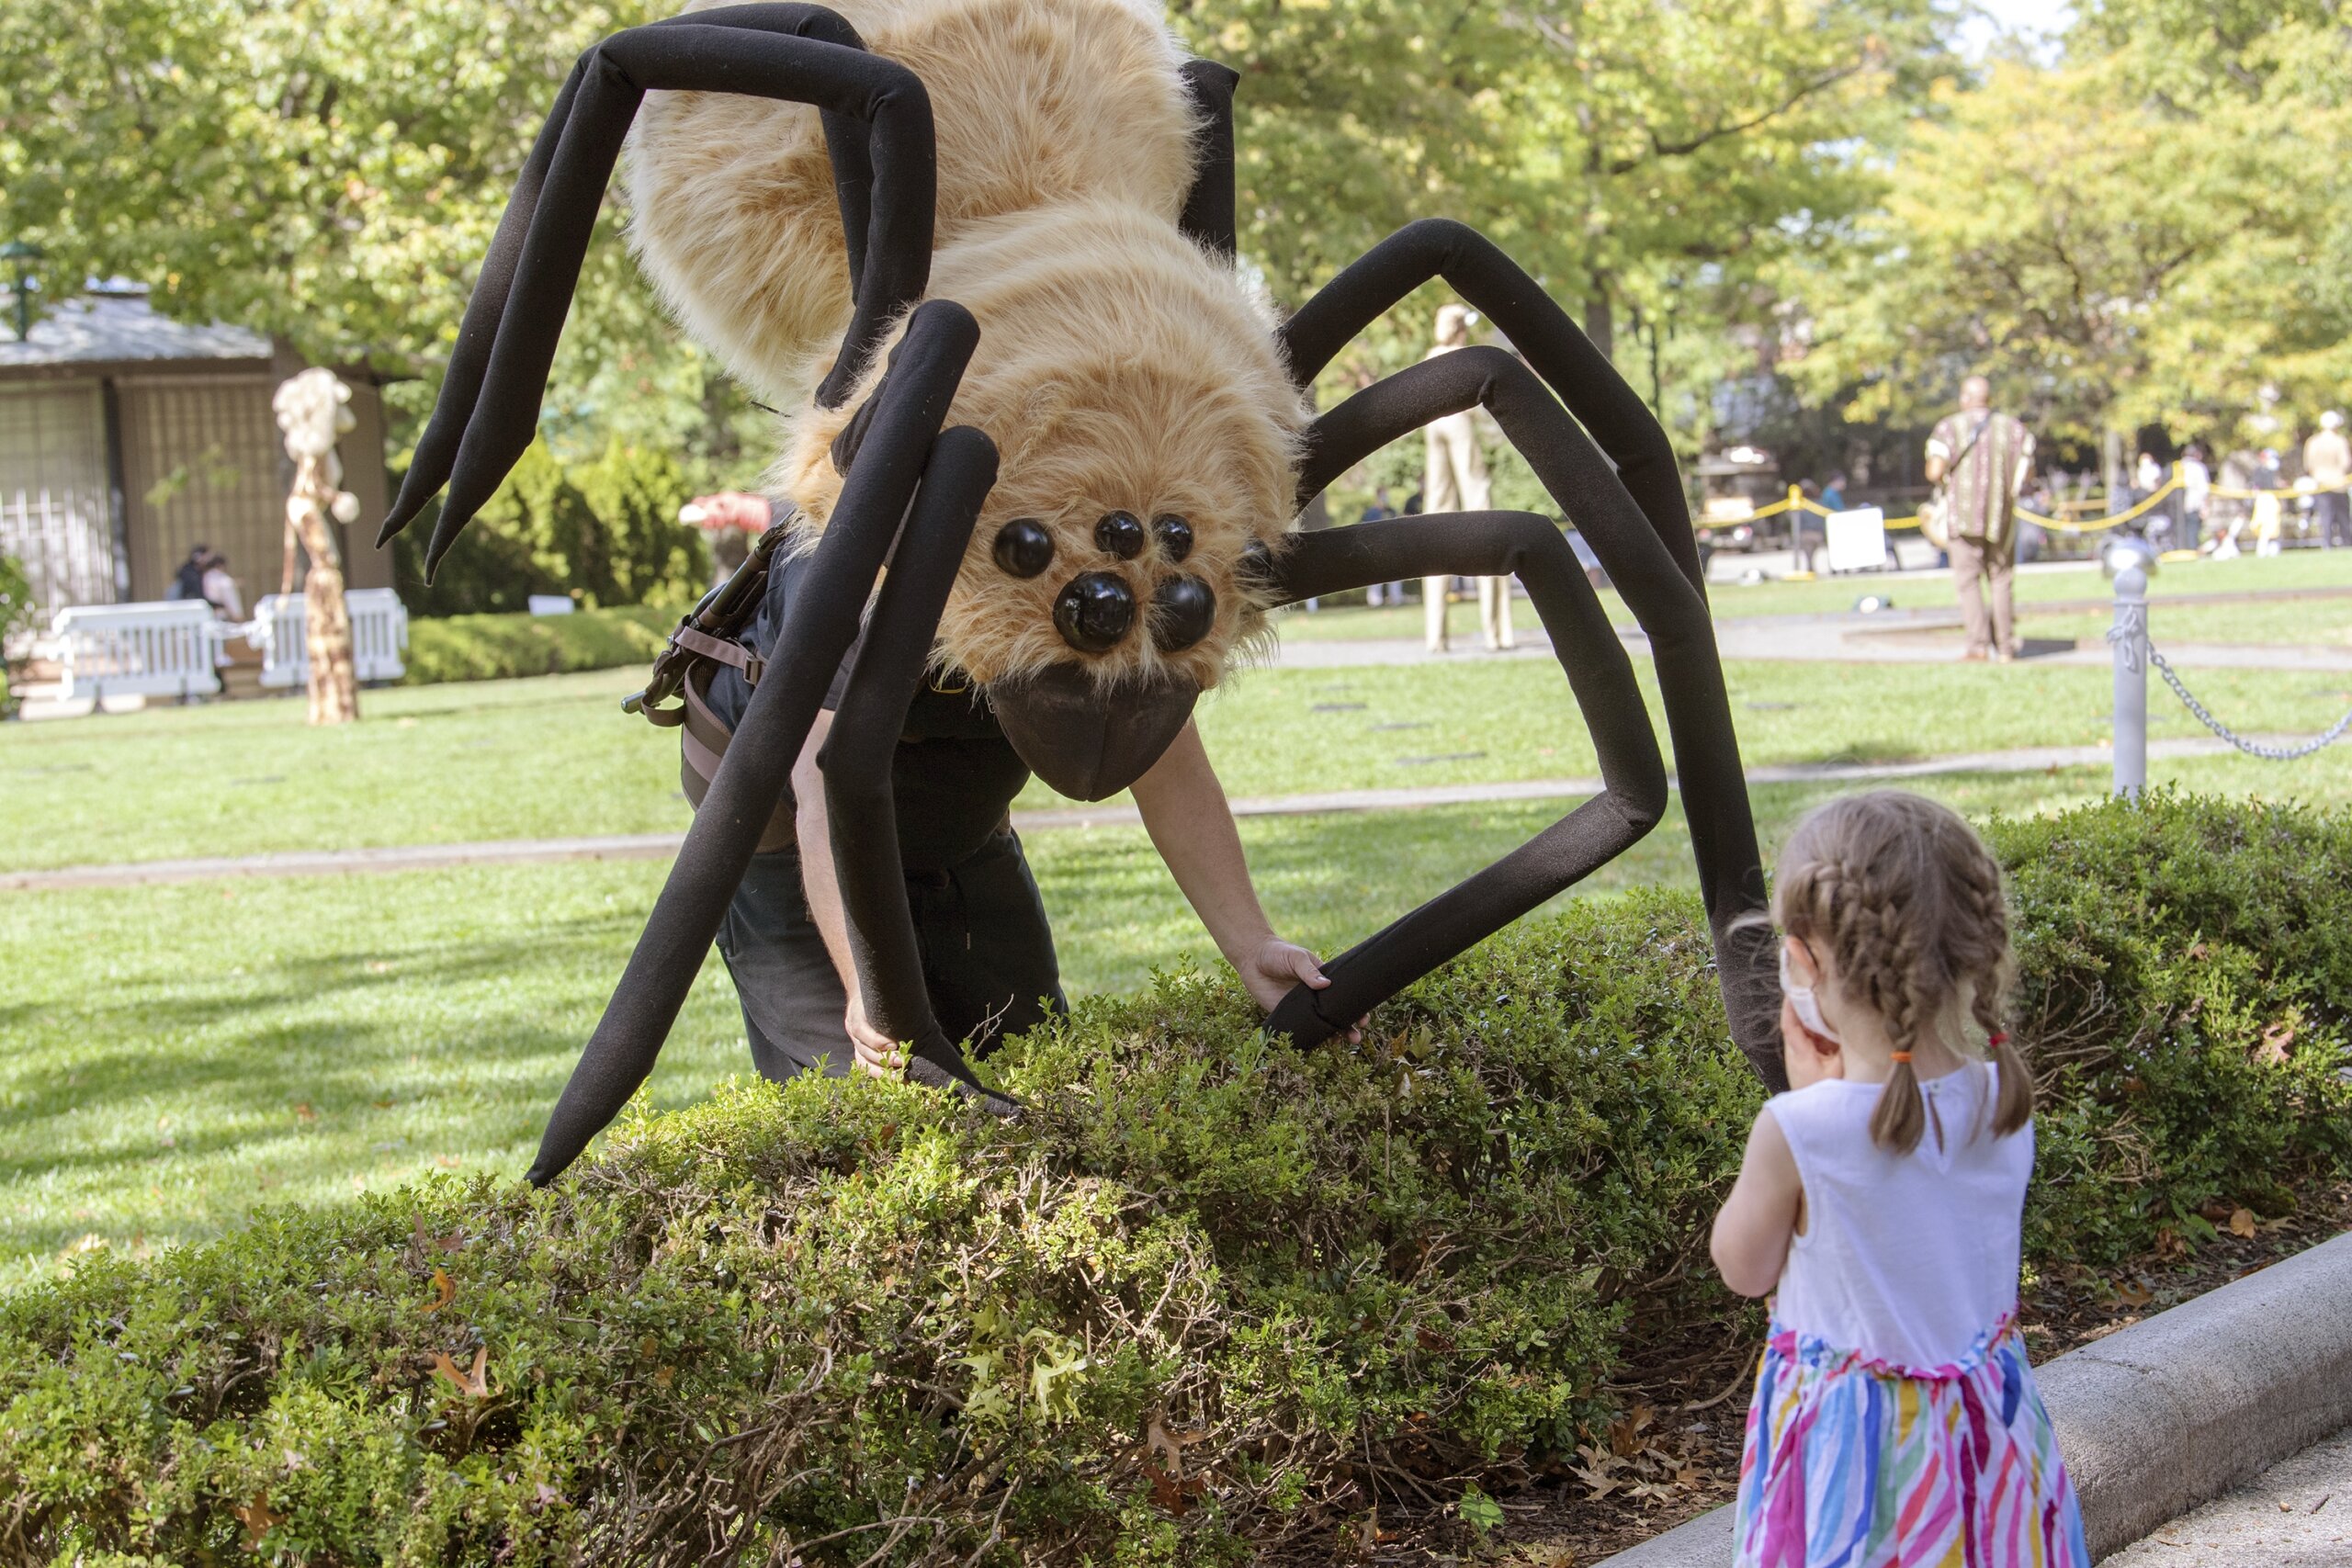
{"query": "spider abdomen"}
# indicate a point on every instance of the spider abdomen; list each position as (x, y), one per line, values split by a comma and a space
(1035, 101)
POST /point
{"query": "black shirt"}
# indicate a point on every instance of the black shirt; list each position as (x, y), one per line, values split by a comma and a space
(954, 775)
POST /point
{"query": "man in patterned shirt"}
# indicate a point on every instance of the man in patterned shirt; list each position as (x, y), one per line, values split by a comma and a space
(1979, 460)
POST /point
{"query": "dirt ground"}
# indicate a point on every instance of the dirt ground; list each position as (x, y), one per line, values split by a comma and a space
(1675, 1453)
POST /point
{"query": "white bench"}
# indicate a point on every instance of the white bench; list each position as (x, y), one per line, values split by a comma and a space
(378, 632)
(163, 649)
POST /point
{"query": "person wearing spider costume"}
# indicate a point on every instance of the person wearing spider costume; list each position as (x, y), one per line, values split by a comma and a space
(990, 969)
(984, 253)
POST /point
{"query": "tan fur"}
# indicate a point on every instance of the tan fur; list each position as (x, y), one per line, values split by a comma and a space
(1119, 367)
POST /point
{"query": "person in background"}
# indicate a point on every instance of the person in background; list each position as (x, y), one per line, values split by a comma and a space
(1833, 491)
(2147, 477)
(1807, 530)
(1380, 511)
(187, 582)
(2327, 463)
(2269, 513)
(730, 519)
(1895, 1417)
(2231, 513)
(219, 589)
(2196, 493)
(1979, 460)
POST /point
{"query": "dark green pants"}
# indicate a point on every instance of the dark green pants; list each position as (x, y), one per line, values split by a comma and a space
(988, 958)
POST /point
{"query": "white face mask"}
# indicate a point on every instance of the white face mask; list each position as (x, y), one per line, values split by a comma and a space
(1800, 998)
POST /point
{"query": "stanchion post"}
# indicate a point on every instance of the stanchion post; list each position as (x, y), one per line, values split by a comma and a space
(2130, 639)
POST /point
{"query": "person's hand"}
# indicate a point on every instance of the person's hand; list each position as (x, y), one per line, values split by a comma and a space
(1807, 1056)
(877, 1056)
(1274, 966)
(733, 509)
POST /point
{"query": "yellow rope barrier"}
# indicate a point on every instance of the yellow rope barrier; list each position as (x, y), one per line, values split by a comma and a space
(1799, 502)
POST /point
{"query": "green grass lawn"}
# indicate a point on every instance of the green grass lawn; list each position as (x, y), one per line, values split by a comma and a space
(1728, 601)
(180, 1056)
(554, 757)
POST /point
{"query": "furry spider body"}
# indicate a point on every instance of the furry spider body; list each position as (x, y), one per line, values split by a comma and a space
(1122, 369)
(983, 251)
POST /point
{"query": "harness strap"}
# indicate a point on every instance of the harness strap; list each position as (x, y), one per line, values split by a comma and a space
(702, 742)
(726, 650)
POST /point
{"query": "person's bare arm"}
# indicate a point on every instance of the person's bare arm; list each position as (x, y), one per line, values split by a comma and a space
(1935, 470)
(1753, 1229)
(876, 1053)
(1184, 809)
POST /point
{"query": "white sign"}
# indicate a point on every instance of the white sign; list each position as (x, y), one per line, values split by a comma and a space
(552, 604)
(1857, 539)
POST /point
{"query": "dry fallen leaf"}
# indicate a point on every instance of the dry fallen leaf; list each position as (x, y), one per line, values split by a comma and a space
(257, 1519)
(2242, 1222)
(2134, 1293)
(2272, 1052)
(662, 1375)
(445, 1290)
(302, 1113)
(473, 1382)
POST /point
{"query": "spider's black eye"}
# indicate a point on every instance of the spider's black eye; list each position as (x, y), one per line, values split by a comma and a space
(1120, 534)
(1023, 547)
(1094, 610)
(1175, 535)
(1183, 611)
(1257, 562)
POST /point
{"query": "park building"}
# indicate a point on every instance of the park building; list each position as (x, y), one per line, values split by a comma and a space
(127, 437)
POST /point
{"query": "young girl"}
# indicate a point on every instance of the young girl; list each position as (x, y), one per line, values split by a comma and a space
(1896, 1419)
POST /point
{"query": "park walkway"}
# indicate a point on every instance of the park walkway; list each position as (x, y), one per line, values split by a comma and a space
(2297, 1513)
(1110, 814)
(1890, 637)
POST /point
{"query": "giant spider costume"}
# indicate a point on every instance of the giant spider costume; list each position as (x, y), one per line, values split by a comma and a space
(985, 250)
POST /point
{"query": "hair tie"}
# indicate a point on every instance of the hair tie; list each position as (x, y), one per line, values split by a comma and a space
(1997, 1039)
(1904, 1057)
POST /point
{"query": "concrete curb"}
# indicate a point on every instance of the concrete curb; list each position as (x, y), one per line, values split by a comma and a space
(2170, 1412)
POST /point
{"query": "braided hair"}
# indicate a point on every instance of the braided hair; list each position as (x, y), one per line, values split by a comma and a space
(1908, 903)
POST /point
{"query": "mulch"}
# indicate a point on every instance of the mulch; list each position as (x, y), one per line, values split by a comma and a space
(1675, 1452)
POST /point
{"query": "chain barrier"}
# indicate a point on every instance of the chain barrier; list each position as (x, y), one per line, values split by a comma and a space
(2129, 635)
(1798, 501)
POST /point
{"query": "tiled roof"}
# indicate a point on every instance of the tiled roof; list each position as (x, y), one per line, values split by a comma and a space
(115, 326)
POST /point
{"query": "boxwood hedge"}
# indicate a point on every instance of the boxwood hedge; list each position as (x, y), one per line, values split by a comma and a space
(1207, 1294)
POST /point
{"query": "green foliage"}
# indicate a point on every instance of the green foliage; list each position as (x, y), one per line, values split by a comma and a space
(2185, 976)
(491, 647)
(1206, 1294)
(19, 615)
(2118, 239)
(605, 532)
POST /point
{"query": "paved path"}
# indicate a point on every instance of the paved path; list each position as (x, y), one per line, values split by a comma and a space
(1894, 637)
(662, 846)
(2298, 1514)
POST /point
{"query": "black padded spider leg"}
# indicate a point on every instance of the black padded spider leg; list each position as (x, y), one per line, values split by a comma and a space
(1208, 218)
(687, 55)
(436, 450)
(921, 383)
(1683, 644)
(1492, 283)
(1487, 543)
(858, 750)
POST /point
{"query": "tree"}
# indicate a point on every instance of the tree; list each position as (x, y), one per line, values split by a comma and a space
(2118, 240)
(329, 171)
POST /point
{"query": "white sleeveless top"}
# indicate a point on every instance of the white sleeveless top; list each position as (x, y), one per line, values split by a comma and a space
(1905, 1258)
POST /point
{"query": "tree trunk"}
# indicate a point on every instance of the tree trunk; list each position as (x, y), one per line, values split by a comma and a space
(1601, 319)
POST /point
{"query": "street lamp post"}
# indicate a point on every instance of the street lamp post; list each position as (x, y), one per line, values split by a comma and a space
(20, 255)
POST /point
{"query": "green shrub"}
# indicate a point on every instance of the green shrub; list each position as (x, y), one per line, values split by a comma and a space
(2185, 977)
(1206, 1292)
(605, 533)
(491, 647)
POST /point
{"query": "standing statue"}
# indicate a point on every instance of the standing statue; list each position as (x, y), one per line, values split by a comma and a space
(1454, 479)
(313, 410)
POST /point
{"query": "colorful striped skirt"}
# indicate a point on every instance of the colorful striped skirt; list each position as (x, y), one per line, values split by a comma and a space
(1853, 1463)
